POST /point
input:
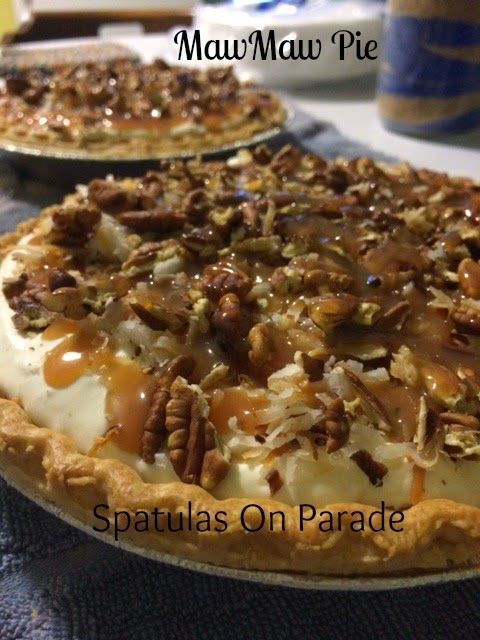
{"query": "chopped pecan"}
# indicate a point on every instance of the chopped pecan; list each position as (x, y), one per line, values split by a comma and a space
(461, 419)
(287, 280)
(390, 281)
(331, 280)
(31, 315)
(229, 319)
(110, 197)
(333, 427)
(331, 310)
(262, 155)
(203, 241)
(65, 300)
(261, 343)
(72, 225)
(196, 205)
(274, 480)
(159, 317)
(14, 287)
(222, 278)
(149, 189)
(469, 278)
(58, 278)
(466, 319)
(159, 258)
(193, 448)
(286, 161)
(394, 317)
(313, 367)
(154, 430)
(262, 245)
(155, 220)
(218, 374)
(375, 471)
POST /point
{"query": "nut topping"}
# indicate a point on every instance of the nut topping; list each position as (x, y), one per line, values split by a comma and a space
(230, 320)
(155, 220)
(333, 427)
(261, 343)
(111, 198)
(469, 278)
(72, 225)
(328, 311)
(222, 278)
(192, 445)
(155, 424)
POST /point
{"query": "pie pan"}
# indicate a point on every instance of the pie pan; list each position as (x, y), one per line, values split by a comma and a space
(277, 579)
(69, 167)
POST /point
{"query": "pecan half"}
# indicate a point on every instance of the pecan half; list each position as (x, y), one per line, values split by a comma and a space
(261, 344)
(330, 310)
(222, 278)
(192, 445)
(155, 220)
(111, 197)
(72, 225)
(154, 430)
(469, 278)
(331, 280)
(229, 319)
(375, 471)
(159, 317)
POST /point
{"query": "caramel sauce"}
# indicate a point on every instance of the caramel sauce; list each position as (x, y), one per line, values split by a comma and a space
(83, 351)
(211, 121)
(401, 405)
(236, 402)
(148, 124)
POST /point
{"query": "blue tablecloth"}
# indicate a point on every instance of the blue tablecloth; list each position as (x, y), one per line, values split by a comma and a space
(59, 584)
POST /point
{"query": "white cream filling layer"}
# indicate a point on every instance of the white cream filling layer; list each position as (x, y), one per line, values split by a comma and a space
(78, 411)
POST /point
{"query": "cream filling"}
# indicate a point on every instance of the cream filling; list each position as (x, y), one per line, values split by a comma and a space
(78, 411)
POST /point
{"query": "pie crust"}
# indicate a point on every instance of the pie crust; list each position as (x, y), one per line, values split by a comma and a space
(124, 109)
(437, 532)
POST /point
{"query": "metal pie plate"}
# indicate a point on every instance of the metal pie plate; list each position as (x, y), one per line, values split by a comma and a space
(67, 167)
(21, 483)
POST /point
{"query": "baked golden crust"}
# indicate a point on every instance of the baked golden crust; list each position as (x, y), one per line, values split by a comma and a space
(437, 533)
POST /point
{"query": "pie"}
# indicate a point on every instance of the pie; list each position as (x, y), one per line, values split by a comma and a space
(122, 109)
(272, 330)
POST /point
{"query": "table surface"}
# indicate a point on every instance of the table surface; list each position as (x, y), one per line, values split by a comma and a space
(350, 106)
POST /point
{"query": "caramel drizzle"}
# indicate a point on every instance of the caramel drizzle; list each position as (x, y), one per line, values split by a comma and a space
(83, 351)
